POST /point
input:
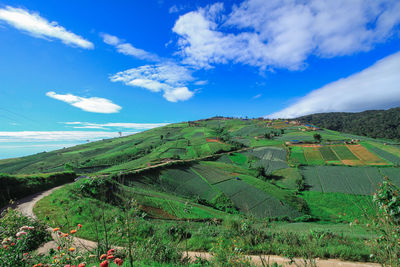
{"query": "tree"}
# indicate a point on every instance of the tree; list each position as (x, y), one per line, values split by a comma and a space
(317, 137)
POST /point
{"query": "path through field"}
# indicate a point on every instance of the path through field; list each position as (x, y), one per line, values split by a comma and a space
(26, 205)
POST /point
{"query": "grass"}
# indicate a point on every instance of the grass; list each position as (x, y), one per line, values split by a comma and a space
(337, 207)
(289, 177)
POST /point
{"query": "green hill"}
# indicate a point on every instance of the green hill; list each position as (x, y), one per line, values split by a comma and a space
(372, 123)
(218, 170)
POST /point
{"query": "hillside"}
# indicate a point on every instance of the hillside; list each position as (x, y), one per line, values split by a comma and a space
(191, 177)
(371, 123)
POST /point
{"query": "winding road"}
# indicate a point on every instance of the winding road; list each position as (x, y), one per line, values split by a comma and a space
(25, 206)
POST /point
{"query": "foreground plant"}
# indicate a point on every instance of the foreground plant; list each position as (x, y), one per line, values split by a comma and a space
(386, 223)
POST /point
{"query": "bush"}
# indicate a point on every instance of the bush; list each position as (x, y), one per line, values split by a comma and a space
(16, 187)
(20, 235)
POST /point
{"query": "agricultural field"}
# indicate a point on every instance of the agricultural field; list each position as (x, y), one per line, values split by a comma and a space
(206, 175)
(353, 155)
(342, 179)
(270, 158)
(366, 157)
(387, 152)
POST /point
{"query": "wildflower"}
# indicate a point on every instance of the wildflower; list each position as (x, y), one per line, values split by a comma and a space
(12, 244)
(20, 233)
(56, 229)
(58, 248)
(73, 231)
(111, 251)
(79, 225)
(118, 261)
(5, 246)
(104, 264)
(103, 256)
(110, 257)
(72, 249)
(26, 228)
(82, 264)
(6, 240)
(26, 254)
(65, 235)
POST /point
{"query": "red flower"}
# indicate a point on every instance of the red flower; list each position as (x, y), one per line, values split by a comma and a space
(103, 256)
(118, 261)
(81, 265)
(12, 244)
(104, 264)
(73, 231)
(111, 251)
(58, 248)
(110, 257)
(79, 225)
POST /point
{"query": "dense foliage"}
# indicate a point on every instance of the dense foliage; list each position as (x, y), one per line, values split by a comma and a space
(371, 123)
(16, 187)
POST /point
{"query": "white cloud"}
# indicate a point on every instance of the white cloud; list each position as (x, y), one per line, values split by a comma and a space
(120, 125)
(127, 48)
(167, 77)
(91, 104)
(38, 26)
(176, 9)
(377, 87)
(283, 34)
(38, 136)
(257, 96)
(202, 82)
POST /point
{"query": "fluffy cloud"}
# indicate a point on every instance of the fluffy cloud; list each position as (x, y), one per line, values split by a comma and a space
(91, 104)
(115, 125)
(168, 77)
(38, 26)
(377, 87)
(127, 48)
(282, 34)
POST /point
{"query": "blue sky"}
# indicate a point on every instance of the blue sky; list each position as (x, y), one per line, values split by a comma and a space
(72, 71)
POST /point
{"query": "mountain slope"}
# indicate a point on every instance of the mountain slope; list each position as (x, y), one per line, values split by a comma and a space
(371, 123)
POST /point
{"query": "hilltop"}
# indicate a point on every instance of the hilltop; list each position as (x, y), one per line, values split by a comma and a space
(371, 123)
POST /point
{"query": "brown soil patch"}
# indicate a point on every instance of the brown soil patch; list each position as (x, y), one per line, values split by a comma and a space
(308, 145)
(364, 155)
(351, 162)
(157, 213)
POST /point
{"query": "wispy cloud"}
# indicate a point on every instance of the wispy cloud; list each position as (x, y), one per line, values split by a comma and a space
(38, 26)
(377, 87)
(283, 34)
(127, 48)
(115, 125)
(45, 136)
(257, 96)
(168, 77)
(202, 82)
(91, 104)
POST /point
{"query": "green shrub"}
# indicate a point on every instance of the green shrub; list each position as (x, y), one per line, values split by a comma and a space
(16, 187)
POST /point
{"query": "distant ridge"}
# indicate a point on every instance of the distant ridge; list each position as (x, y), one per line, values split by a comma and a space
(371, 123)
